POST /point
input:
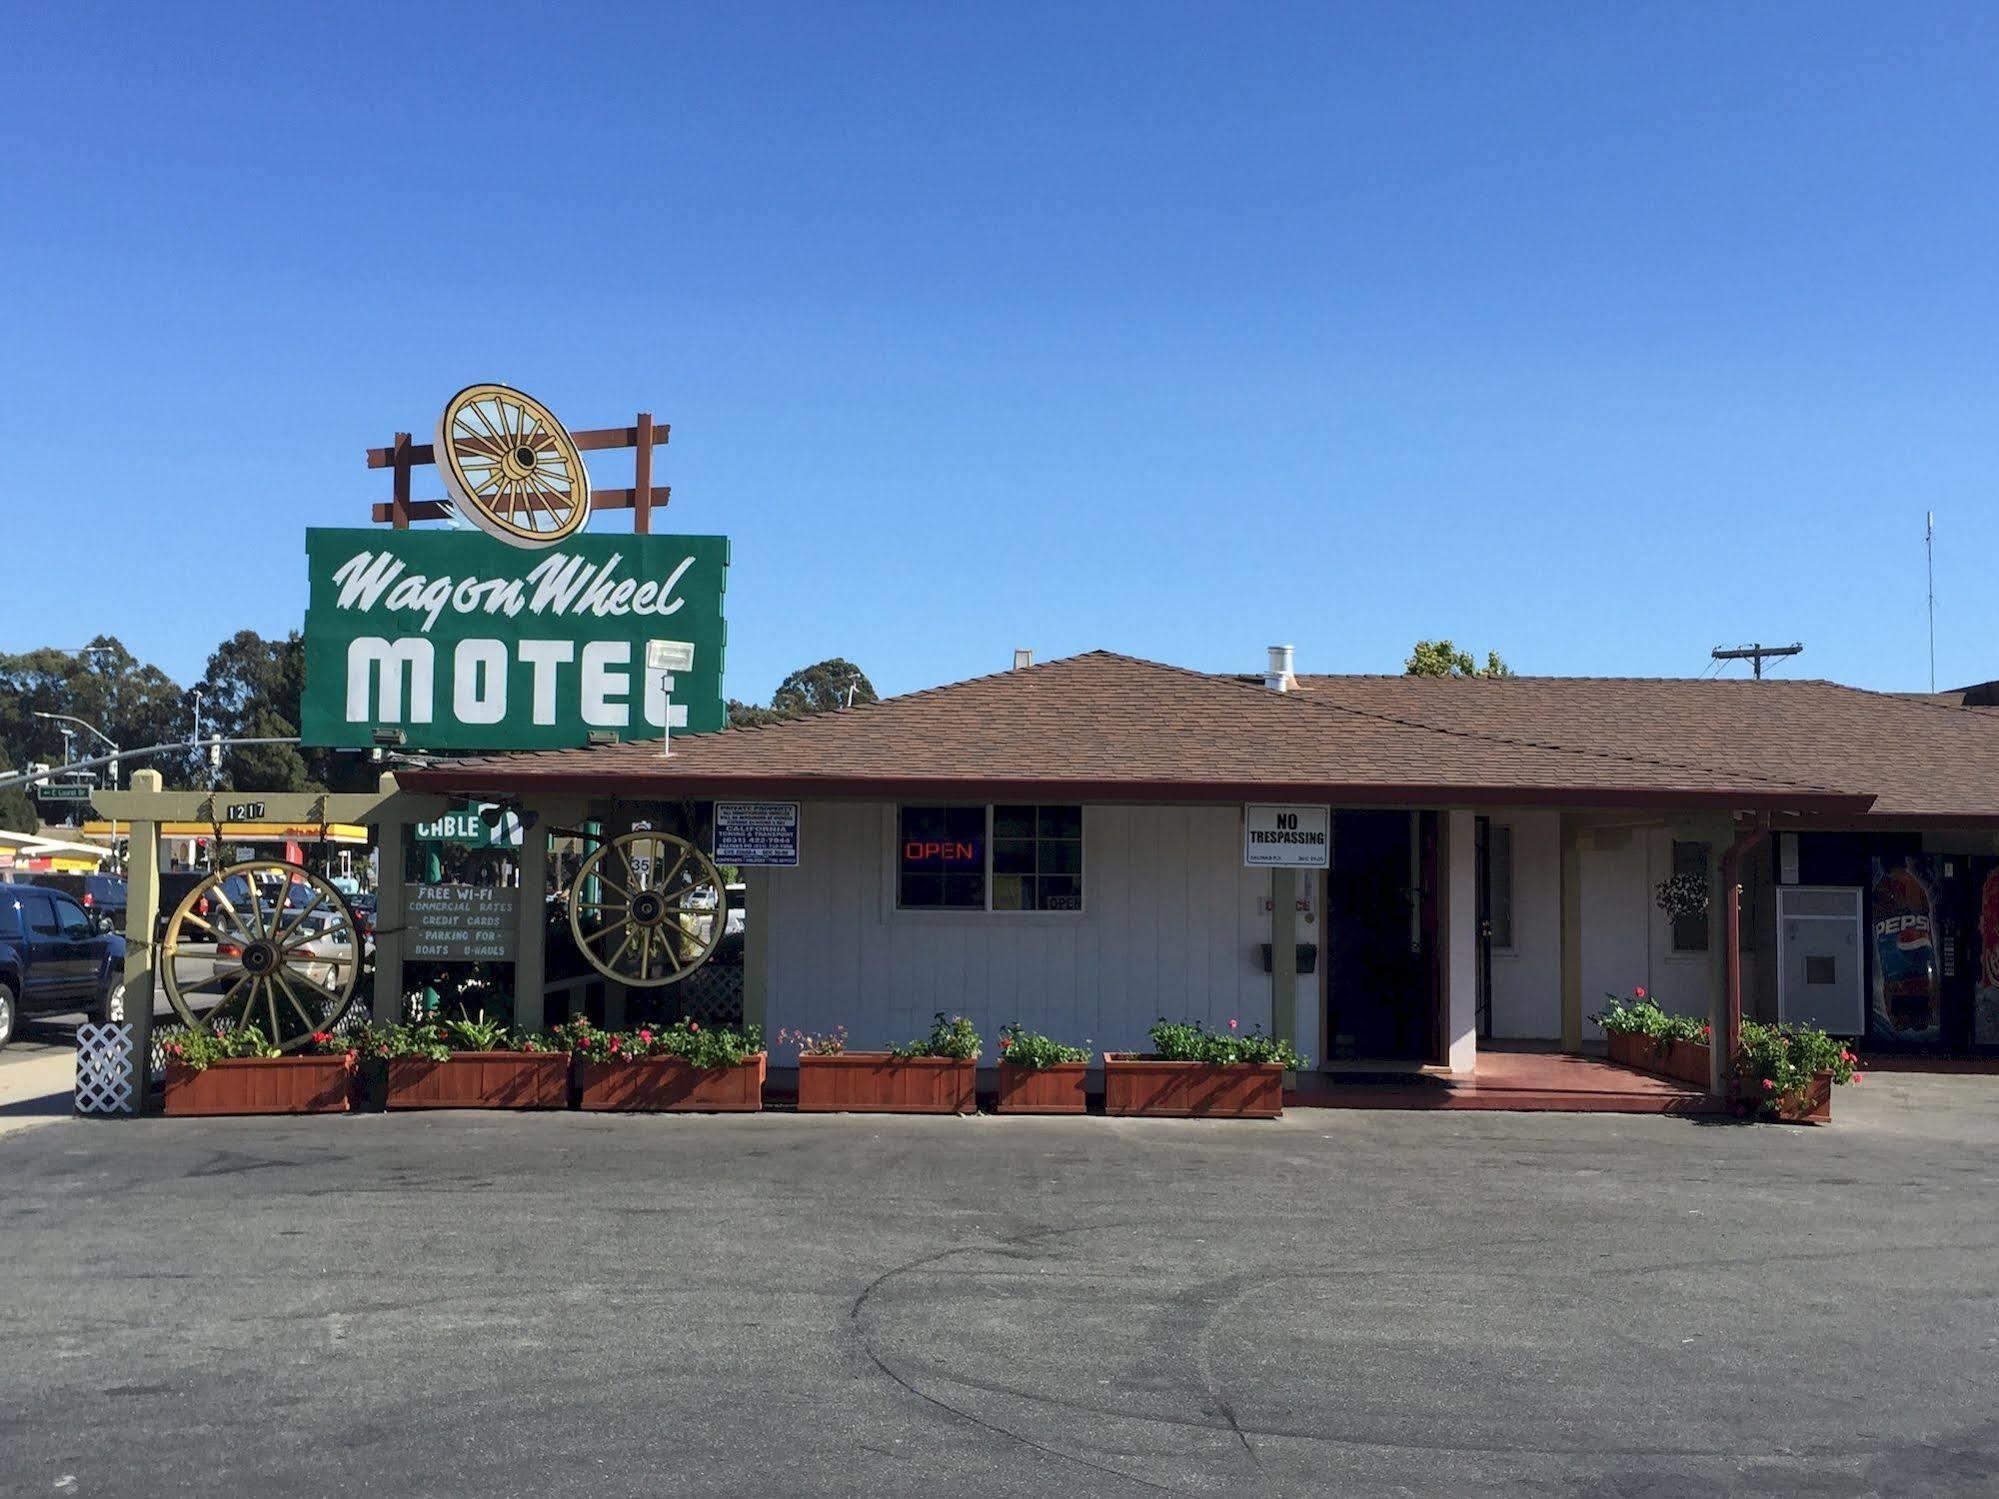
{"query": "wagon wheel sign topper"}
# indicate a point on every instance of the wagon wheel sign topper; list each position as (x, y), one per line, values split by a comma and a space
(510, 467)
(647, 909)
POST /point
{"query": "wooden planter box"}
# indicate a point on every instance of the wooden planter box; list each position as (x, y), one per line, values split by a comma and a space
(1044, 1090)
(1814, 1108)
(1683, 1061)
(654, 1085)
(261, 1085)
(873, 1082)
(480, 1080)
(1135, 1084)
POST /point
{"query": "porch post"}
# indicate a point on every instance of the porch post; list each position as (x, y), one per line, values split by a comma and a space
(530, 970)
(391, 909)
(1284, 954)
(1572, 932)
(142, 920)
(1460, 923)
(756, 947)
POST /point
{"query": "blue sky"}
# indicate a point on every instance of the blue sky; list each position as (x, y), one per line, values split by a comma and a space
(1596, 334)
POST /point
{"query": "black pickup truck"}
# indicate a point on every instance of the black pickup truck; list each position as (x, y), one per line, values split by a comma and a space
(54, 958)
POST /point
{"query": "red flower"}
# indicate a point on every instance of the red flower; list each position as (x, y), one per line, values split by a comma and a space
(693, 1025)
(1639, 992)
(1232, 1025)
(1005, 1042)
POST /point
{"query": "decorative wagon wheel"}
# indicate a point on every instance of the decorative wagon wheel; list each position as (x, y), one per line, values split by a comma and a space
(239, 950)
(512, 468)
(658, 913)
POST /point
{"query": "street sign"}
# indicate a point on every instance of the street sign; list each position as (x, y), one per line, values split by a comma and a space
(461, 923)
(757, 834)
(1287, 837)
(65, 791)
(453, 640)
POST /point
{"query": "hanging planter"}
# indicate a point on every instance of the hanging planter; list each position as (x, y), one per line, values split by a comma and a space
(1682, 895)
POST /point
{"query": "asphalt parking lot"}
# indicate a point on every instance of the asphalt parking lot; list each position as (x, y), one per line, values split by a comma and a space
(1340, 1302)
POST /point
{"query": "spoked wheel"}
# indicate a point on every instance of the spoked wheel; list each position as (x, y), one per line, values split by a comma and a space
(267, 944)
(655, 912)
(512, 468)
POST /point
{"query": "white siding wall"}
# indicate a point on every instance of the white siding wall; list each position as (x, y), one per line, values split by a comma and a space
(1628, 940)
(1527, 978)
(1171, 926)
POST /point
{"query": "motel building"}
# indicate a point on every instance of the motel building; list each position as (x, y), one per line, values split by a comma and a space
(1404, 875)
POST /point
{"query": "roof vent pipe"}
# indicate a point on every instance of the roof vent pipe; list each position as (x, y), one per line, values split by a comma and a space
(1022, 658)
(1280, 677)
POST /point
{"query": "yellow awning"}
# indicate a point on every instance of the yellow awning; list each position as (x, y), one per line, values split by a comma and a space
(249, 832)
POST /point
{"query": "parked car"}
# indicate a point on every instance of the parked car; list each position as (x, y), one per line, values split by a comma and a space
(99, 894)
(54, 958)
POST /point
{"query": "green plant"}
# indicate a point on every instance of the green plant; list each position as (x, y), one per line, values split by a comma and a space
(434, 1040)
(689, 1040)
(955, 1037)
(477, 1033)
(1637, 1014)
(709, 1047)
(1191, 1041)
(1020, 1047)
(831, 1043)
(198, 1048)
(1777, 1063)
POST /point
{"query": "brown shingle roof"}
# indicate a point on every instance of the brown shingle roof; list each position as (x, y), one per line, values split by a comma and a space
(1919, 757)
(1108, 726)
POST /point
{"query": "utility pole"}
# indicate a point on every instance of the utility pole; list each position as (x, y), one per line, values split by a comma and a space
(1755, 654)
(1930, 557)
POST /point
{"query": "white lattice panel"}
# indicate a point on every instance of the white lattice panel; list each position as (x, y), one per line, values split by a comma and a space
(104, 1069)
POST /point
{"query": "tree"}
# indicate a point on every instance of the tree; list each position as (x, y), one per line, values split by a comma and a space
(17, 808)
(831, 684)
(1439, 658)
(820, 688)
(134, 704)
(252, 690)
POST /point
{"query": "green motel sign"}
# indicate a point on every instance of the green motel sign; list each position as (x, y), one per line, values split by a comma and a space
(462, 642)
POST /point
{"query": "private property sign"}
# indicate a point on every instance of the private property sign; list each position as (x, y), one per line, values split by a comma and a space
(462, 642)
(1286, 837)
(760, 834)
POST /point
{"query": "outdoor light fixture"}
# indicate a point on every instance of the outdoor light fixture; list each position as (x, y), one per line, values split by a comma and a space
(391, 736)
(602, 736)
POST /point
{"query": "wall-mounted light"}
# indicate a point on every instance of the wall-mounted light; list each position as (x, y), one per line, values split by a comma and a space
(391, 736)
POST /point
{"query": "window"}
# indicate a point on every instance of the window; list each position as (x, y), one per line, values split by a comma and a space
(1499, 883)
(980, 858)
(941, 859)
(40, 912)
(70, 917)
(1690, 932)
(1037, 858)
(10, 914)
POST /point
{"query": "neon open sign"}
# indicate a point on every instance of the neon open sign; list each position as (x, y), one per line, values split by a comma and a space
(940, 850)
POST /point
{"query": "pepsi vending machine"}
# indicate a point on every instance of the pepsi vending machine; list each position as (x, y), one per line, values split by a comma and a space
(1907, 1003)
(1933, 922)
